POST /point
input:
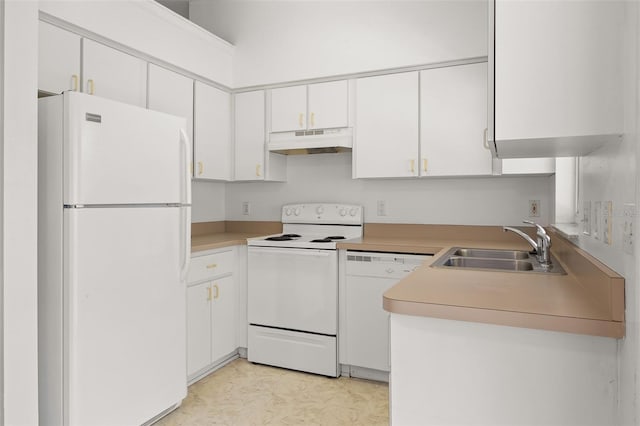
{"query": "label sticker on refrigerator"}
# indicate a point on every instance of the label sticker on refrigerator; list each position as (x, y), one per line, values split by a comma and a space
(96, 118)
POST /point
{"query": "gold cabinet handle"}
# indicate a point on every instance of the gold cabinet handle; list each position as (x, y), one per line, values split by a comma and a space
(217, 295)
(74, 81)
(212, 265)
(209, 293)
(300, 117)
(200, 168)
(313, 119)
(485, 141)
(258, 170)
(91, 86)
(413, 165)
(424, 164)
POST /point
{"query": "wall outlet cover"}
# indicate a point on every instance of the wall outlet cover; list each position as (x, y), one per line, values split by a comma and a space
(245, 208)
(534, 208)
(628, 215)
(381, 208)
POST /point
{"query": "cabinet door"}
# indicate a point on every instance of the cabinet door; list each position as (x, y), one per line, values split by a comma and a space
(212, 133)
(113, 74)
(249, 136)
(453, 119)
(198, 327)
(172, 93)
(328, 105)
(223, 317)
(367, 322)
(387, 126)
(289, 109)
(58, 59)
(558, 68)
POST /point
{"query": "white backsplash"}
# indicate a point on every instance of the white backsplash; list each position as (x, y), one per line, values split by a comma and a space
(327, 178)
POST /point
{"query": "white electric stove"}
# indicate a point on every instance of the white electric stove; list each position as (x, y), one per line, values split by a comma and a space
(293, 287)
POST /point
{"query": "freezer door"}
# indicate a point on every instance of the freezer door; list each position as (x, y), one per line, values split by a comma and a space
(116, 153)
(124, 316)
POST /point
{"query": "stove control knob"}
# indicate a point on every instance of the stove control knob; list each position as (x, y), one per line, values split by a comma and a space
(297, 211)
(287, 211)
(319, 209)
(353, 211)
(343, 212)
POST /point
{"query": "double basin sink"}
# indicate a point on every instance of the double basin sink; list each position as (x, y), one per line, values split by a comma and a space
(495, 260)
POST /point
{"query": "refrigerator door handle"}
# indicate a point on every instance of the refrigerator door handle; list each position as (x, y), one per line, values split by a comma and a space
(185, 219)
(185, 211)
(186, 188)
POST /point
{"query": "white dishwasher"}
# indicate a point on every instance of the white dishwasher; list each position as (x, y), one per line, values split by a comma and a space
(368, 275)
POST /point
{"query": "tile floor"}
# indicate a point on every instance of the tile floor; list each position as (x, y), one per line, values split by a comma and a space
(242, 393)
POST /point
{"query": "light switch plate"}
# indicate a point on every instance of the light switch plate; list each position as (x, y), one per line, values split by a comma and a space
(607, 219)
(597, 212)
(534, 208)
(586, 218)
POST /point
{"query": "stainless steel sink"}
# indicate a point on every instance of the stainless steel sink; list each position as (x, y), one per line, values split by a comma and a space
(495, 260)
(476, 262)
(492, 254)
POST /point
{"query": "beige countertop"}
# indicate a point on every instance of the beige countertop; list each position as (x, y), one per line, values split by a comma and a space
(589, 299)
(214, 235)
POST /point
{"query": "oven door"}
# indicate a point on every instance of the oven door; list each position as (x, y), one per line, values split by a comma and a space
(294, 289)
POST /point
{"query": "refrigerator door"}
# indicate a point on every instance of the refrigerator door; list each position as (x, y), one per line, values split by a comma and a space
(124, 316)
(116, 153)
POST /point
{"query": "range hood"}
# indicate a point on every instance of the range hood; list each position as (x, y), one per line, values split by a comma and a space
(321, 141)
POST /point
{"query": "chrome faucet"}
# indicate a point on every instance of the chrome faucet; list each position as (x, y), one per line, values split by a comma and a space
(542, 246)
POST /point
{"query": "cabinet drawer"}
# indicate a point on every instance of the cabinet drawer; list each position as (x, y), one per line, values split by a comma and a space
(211, 265)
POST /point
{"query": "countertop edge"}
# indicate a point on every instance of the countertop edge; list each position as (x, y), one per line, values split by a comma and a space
(600, 328)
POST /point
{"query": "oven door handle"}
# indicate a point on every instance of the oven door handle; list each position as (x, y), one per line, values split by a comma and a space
(295, 252)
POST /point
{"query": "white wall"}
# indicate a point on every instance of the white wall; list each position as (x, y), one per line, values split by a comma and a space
(610, 174)
(278, 41)
(208, 201)
(19, 216)
(327, 178)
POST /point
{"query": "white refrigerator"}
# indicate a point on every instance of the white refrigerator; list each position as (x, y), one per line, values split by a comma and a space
(113, 252)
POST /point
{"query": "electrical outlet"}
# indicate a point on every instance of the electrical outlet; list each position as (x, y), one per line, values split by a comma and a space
(586, 218)
(597, 212)
(607, 213)
(629, 214)
(382, 208)
(534, 208)
(245, 208)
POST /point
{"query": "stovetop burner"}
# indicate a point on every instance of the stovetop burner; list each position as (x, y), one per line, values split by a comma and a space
(336, 237)
(322, 240)
(283, 237)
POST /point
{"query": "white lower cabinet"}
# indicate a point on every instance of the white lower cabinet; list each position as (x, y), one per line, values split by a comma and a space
(212, 307)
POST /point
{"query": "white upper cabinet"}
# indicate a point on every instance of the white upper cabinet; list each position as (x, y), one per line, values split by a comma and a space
(289, 109)
(558, 76)
(212, 133)
(58, 59)
(113, 74)
(453, 120)
(251, 160)
(316, 106)
(387, 119)
(172, 93)
(328, 105)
